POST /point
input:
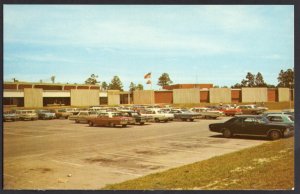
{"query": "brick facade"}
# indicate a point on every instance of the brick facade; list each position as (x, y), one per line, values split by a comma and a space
(163, 97)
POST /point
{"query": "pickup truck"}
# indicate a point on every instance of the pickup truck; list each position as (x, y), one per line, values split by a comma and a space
(185, 115)
(111, 119)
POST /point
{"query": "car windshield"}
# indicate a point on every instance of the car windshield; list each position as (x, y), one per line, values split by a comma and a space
(291, 118)
(231, 120)
(187, 111)
(116, 114)
(262, 120)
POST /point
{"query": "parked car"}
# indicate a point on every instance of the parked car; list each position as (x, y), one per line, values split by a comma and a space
(111, 119)
(185, 115)
(26, 114)
(252, 125)
(137, 117)
(232, 111)
(82, 116)
(154, 115)
(63, 113)
(10, 116)
(207, 113)
(46, 114)
(251, 109)
(281, 118)
(167, 114)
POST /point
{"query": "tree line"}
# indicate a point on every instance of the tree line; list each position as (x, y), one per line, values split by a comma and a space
(285, 79)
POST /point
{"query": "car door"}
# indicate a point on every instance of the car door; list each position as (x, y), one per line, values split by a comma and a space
(253, 126)
(236, 126)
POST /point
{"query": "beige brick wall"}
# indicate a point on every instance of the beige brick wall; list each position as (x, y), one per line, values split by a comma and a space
(186, 96)
(83, 97)
(283, 94)
(219, 95)
(254, 94)
(33, 97)
(113, 97)
(143, 97)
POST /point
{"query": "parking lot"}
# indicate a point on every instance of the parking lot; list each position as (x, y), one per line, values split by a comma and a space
(59, 154)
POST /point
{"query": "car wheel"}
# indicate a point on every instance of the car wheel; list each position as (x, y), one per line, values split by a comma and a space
(76, 121)
(91, 124)
(183, 119)
(191, 120)
(156, 120)
(124, 125)
(273, 135)
(66, 117)
(142, 123)
(227, 133)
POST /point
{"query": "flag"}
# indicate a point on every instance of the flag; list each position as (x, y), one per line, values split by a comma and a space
(148, 75)
(148, 82)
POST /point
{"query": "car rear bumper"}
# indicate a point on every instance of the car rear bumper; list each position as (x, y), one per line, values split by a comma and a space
(288, 133)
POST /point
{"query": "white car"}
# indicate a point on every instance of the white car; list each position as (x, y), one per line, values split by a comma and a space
(156, 116)
(27, 114)
(207, 112)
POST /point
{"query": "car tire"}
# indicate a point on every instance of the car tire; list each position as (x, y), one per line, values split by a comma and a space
(124, 125)
(274, 135)
(91, 124)
(227, 133)
(191, 120)
(156, 120)
(183, 119)
(142, 123)
(76, 121)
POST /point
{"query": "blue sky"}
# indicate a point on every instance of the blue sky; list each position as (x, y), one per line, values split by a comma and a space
(193, 43)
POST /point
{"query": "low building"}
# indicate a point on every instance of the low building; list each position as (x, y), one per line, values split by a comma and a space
(187, 86)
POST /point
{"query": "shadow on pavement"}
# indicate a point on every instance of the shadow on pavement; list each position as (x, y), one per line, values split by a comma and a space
(242, 137)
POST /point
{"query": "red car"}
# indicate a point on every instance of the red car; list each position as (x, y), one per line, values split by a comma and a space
(109, 119)
(232, 111)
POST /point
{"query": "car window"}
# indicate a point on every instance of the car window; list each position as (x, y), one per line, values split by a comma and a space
(275, 118)
(250, 120)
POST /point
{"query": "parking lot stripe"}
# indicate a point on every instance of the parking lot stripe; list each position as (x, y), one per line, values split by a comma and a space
(20, 134)
(127, 173)
(9, 175)
(166, 148)
(70, 163)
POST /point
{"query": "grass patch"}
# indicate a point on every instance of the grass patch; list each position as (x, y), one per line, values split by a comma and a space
(267, 166)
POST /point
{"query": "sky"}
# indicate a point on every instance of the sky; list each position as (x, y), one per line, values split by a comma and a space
(215, 44)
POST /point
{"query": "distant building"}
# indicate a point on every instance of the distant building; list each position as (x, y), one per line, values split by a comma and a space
(185, 86)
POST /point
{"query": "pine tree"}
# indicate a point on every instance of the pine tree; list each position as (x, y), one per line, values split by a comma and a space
(164, 80)
(115, 84)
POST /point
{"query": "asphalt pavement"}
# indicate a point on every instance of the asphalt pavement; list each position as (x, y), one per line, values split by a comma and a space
(59, 154)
